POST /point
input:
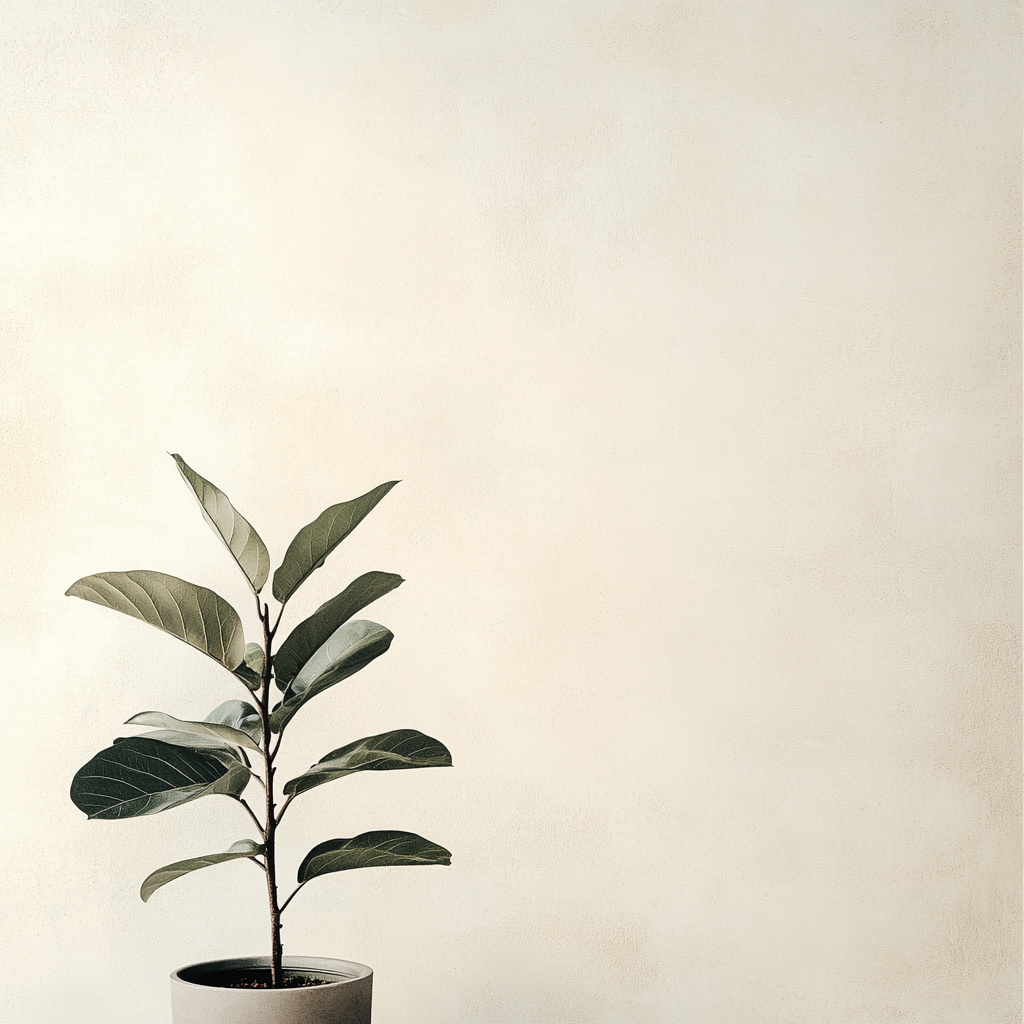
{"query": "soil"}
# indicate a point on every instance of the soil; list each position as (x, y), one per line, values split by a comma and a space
(292, 982)
(257, 979)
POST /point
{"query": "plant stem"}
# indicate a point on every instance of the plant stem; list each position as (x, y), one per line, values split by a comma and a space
(269, 860)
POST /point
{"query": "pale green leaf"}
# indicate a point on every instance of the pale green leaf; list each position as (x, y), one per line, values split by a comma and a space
(191, 613)
(350, 648)
(371, 850)
(309, 634)
(188, 739)
(160, 720)
(243, 848)
(238, 714)
(400, 748)
(233, 529)
(138, 776)
(314, 542)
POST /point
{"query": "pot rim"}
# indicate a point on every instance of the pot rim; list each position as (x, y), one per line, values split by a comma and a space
(347, 971)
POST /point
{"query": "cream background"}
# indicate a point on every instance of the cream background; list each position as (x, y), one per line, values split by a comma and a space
(692, 331)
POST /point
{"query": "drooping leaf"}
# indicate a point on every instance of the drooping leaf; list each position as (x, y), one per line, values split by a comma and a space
(193, 614)
(187, 739)
(251, 670)
(314, 542)
(371, 850)
(401, 748)
(160, 720)
(350, 648)
(309, 634)
(243, 848)
(238, 714)
(138, 776)
(233, 529)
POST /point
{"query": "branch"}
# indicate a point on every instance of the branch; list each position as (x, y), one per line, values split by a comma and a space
(258, 863)
(290, 898)
(256, 820)
(284, 807)
(276, 624)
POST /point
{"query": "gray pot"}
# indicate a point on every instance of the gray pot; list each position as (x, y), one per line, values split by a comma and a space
(345, 1000)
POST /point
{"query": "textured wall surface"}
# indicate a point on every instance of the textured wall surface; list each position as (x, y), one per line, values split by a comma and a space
(692, 331)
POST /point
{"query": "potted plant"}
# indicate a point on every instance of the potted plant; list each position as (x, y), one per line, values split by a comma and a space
(237, 744)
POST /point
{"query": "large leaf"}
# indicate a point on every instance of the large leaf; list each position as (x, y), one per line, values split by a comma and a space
(401, 748)
(193, 614)
(371, 850)
(313, 543)
(243, 848)
(139, 776)
(239, 537)
(350, 648)
(238, 714)
(309, 634)
(159, 720)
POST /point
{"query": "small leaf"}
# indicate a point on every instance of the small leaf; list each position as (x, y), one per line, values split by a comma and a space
(243, 848)
(238, 714)
(248, 677)
(371, 850)
(159, 720)
(138, 776)
(233, 529)
(309, 634)
(401, 748)
(193, 614)
(350, 648)
(314, 542)
(251, 672)
(254, 658)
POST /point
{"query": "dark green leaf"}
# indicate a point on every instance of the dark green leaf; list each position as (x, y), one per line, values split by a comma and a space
(371, 850)
(139, 776)
(401, 748)
(309, 634)
(313, 543)
(239, 537)
(243, 848)
(159, 720)
(350, 648)
(193, 614)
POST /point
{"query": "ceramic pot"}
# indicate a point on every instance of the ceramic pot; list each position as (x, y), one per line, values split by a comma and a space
(197, 998)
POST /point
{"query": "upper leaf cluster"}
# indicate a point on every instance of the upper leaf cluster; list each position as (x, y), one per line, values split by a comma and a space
(181, 760)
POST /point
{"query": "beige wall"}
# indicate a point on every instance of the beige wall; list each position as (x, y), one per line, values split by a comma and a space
(692, 330)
